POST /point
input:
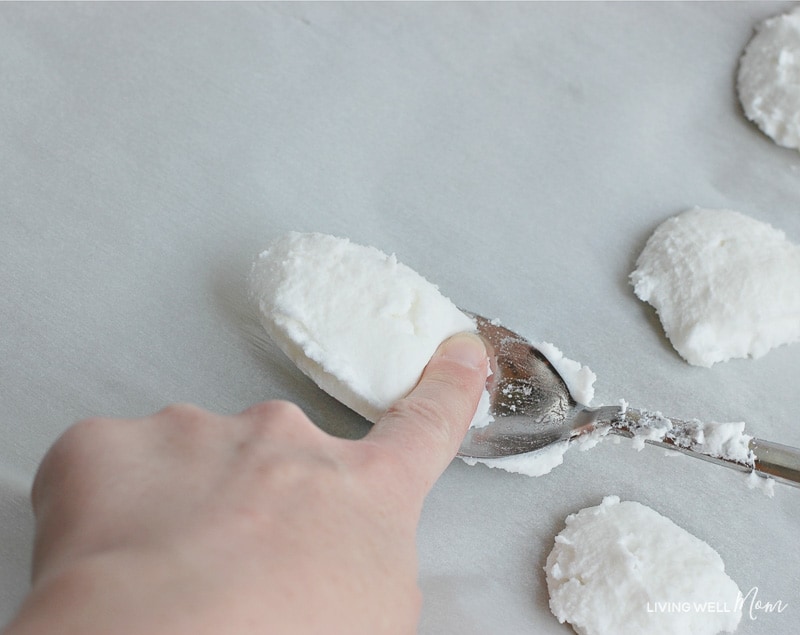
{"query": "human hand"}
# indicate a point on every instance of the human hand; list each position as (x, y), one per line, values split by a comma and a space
(192, 522)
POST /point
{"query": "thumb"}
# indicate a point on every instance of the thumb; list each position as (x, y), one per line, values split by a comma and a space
(424, 429)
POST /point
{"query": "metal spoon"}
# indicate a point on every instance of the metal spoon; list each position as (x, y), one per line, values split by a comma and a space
(533, 409)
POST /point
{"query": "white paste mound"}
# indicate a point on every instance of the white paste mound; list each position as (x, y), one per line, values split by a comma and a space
(622, 568)
(725, 285)
(356, 321)
(769, 79)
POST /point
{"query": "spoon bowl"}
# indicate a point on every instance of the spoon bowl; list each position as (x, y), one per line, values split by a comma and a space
(533, 409)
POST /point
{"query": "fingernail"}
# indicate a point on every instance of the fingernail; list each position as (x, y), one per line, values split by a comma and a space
(465, 348)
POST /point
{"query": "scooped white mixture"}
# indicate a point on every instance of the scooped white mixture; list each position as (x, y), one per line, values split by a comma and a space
(724, 285)
(355, 320)
(622, 568)
(769, 79)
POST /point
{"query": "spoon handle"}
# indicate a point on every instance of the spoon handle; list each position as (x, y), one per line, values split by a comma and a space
(781, 462)
(773, 460)
(768, 459)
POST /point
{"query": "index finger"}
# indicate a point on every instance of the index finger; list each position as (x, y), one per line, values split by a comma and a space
(425, 428)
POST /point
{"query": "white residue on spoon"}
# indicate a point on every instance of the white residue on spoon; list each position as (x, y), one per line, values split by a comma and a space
(726, 441)
(721, 440)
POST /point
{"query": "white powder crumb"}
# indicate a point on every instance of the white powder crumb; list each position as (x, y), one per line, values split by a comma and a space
(768, 80)
(609, 573)
(728, 441)
(724, 285)
(765, 485)
(650, 426)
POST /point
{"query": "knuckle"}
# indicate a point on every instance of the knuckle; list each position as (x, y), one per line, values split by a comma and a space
(182, 412)
(69, 451)
(74, 439)
(184, 424)
(284, 421)
(275, 410)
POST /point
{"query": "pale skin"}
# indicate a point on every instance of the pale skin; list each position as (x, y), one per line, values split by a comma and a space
(189, 522)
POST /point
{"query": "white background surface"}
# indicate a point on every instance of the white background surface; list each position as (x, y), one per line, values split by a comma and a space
(518, 155)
